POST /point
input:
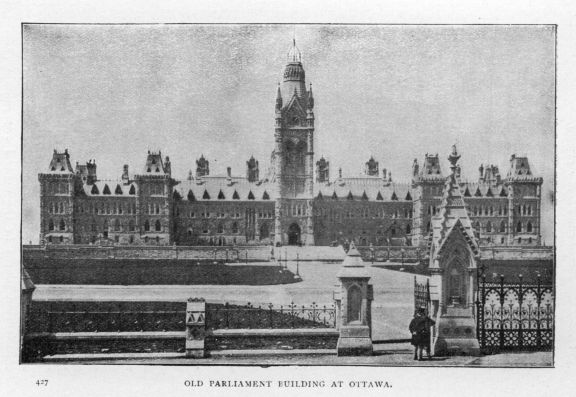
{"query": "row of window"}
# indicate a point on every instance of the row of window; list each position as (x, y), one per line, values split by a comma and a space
(233, 229)
(488, 227)
(117, 191)
(56, 208)
(108, 208)
(57, 188)
(221, 196)
(334, 214)
(221, 213)
(364, 196)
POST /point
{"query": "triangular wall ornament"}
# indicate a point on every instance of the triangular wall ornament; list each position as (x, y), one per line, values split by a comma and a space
(394, 197)
(334, 196)
(221, 195)
(250, 195)
(205, 196)
(191, 196)
(379, 197)
(235, 196)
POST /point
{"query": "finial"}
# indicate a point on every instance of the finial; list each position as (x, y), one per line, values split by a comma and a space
(453, 158)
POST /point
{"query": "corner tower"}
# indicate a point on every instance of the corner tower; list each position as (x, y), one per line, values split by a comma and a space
(294, 155)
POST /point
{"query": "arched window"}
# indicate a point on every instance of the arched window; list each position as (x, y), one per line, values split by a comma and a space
(220, 228)
(157, 209)
(51, 225)
(408, 229)
(354, 304)
(264, 231)
(488, 227)
(235, 227)
(131, 225)
(428, 227)
(158, 226)
(62, 225)
(117, 225)
(529, 227)
(502, 227)
(519, 227)
(146, 226)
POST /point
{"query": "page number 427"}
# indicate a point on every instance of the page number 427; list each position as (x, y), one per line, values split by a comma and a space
(42, 382)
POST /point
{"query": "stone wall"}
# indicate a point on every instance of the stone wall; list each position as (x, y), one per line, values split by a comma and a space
(230, 254)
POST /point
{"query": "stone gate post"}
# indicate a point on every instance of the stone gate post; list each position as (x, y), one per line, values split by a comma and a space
(354, 301)
(195, 327)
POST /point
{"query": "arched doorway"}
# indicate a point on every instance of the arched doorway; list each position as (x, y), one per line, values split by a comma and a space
(294, 234)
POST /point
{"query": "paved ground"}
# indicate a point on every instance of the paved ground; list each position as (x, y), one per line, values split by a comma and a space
(392, 307)
(400, 355)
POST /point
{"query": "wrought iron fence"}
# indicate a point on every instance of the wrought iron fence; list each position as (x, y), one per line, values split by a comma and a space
(515, 316)
(421, 294)
(229, 316)
(106, 318)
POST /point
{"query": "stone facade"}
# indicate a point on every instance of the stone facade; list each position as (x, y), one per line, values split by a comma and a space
(291, 204)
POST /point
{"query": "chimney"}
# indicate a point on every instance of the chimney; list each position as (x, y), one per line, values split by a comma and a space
(125, 177)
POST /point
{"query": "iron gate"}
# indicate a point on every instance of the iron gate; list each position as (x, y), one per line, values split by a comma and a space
(515, 316)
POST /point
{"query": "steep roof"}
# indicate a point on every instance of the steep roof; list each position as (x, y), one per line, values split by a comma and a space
(222, 188)
(362, 188)
(453, 216)
(116, 188)
(60, 163)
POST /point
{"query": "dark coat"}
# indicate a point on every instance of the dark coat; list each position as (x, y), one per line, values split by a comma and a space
(420, 329)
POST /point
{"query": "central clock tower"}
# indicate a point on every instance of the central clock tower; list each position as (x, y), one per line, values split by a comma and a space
(294, 155)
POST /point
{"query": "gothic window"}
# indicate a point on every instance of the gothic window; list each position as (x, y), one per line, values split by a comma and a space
(94, 190)
(235, 227)
(157, 209)
(529, 227)
(117, 225)
(519, 227)
(491, 211)
(62, 225)
(189, 232)
(221, 195)
(62, 237)
(265, 196)
(131, 225)
(502, 227)
(488, 227)
(120, 208)
(250, 195)
(529, 210)
(146, 226)
(50, 225)
(354, 304)
(524, 210)
(93, 227)
(408, 229)
(158, 226)
(106, 190)
(205, 196)
(118, 190)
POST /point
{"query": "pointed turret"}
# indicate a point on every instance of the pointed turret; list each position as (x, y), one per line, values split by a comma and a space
(278, 99)
(310, 98)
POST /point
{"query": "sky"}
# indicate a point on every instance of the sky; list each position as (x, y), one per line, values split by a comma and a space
(113, 92)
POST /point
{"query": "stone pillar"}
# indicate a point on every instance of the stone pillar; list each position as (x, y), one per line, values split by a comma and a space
(354, 301)
(195, 327)
(27, 289)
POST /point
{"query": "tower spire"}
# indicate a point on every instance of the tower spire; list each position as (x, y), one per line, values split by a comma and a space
(278, 98)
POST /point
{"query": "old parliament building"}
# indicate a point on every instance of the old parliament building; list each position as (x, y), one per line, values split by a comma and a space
(295, 201)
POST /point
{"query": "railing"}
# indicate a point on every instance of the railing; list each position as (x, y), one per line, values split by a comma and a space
(270, 316)
(421, 294)
(106, 317)
(515, 316)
